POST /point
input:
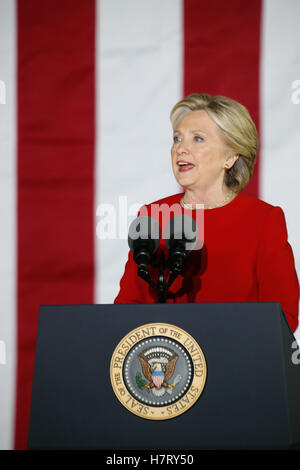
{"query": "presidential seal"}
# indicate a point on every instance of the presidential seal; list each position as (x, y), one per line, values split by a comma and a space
(158, 371)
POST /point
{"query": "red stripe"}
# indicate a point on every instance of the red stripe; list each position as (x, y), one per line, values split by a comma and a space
(56, 47)
(222, 52)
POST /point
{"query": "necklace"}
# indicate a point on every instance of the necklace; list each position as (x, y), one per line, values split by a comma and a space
(190, 206)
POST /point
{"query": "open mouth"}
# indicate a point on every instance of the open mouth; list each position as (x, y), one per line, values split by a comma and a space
(184, 166)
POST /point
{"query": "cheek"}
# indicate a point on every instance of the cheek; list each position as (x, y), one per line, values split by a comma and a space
(207, 158)
(203, 158)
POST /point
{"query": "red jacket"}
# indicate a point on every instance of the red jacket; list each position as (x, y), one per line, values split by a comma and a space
(246, 257)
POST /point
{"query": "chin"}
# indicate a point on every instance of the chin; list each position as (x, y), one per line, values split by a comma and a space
(185, 180)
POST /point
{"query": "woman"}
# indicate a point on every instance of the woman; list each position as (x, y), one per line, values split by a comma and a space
(246, 256)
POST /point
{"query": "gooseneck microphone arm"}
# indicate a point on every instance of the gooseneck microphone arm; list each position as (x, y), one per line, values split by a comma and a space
(176, 260)
(181, 238)
(143, 240)
(142, 257)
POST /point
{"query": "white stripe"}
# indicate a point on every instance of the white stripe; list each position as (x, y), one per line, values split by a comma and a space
(280, 117)
(139, 79)
(8, 222)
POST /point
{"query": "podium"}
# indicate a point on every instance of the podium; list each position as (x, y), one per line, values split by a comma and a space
(250, 398)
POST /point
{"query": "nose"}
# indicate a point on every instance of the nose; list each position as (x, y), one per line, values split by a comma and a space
(182, 147)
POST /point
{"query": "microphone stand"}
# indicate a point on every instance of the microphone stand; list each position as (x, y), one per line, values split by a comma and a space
(162, 287)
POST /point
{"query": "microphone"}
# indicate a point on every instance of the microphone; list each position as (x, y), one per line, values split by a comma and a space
(181, 238)
(143, 239)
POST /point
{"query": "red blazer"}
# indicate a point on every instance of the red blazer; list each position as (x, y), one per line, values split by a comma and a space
(246, 257)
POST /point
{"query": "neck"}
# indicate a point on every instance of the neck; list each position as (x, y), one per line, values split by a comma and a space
(208, 196)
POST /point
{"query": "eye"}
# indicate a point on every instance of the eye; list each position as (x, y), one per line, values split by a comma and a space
(176, 139)
(198, 138)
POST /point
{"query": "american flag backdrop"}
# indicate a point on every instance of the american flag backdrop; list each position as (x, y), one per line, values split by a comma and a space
(86, 88)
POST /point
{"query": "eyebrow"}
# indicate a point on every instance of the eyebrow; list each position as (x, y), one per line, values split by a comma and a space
(194, 130)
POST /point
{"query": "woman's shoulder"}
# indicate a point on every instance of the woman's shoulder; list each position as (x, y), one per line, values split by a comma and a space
(255, 203)
(262, 213)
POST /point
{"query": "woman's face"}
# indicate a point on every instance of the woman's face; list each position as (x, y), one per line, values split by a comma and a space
(198, 153)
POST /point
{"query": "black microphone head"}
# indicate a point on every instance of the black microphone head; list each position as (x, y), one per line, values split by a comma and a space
(144, 232)
(181, 231)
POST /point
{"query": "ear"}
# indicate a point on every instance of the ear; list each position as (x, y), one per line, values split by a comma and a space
(230, 161)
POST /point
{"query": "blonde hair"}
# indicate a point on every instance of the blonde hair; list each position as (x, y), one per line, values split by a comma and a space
(236, 127)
